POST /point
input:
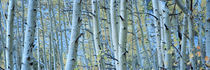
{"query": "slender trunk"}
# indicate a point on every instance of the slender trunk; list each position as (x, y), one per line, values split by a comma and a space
(123, 35)
(22, 31)
(139, 55)
(155, 4)
(183, 48)
(192, 48)
(114, 31)
(141, 62)
(61, 37)
(38, 46)
(50, 34)
(54, 40)
(72, 52)
(27, 62)
(96, 34)
(9, 35)
(200, 40)
(43, 37)
(167, 28)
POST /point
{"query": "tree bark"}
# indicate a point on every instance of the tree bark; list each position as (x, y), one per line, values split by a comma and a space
(114, 31)
(167, 27)
(72, 52)
(207, 31)
(96, 34)
(155, 4)
(183, 46)
(10, 35)
(27, 62)
(123, 35)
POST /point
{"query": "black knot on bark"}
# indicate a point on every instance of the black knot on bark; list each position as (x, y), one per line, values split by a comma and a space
(34, 9)
(73, 59)
(31, 63)
(28, 58)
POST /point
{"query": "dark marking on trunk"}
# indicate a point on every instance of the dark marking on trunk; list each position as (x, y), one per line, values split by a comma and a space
(208, 20)
(31, 63)
(31, 45)
(5, 16)
(180, 35)
(28, 58)
(79, 20)
(13, 8)
(121, 18)
(35, 10)
(124, 28)
(99, 47)
(80, 1)
(164, 11)
(166, 27)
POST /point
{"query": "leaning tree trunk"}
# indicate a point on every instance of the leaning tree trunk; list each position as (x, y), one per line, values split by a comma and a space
(27, 62)
(76, 19)
(123, 35)
(207, 31)
(9, 36)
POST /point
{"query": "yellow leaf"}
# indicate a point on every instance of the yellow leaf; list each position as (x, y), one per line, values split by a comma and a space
(206, 58)
(198, 47)
(198, 54)
(207, 65)
(201, 68)
(189, 63)
(191, 55)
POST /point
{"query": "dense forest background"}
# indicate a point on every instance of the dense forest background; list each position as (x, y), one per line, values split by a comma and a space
(105, 34)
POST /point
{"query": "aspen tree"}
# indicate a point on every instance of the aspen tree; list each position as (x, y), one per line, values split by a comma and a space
(10, 35)
(27, 62)
(155, 4)
(72, 51)
(114, 30)
(207, 31)
(123, 35)
(96, 34)
(183, 48)
(167, 31)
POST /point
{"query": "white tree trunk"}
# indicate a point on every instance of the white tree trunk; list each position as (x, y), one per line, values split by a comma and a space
(38, 47)
(183, 46)
(96, 34)
(114, 30)
(123, 35)
(192, 48)
(61, 36)
(9, 35)
(141, 62)
(43, 38)
(207, 31)
(72, 52)
(167, 28)
(27, 62)
(155, 4)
